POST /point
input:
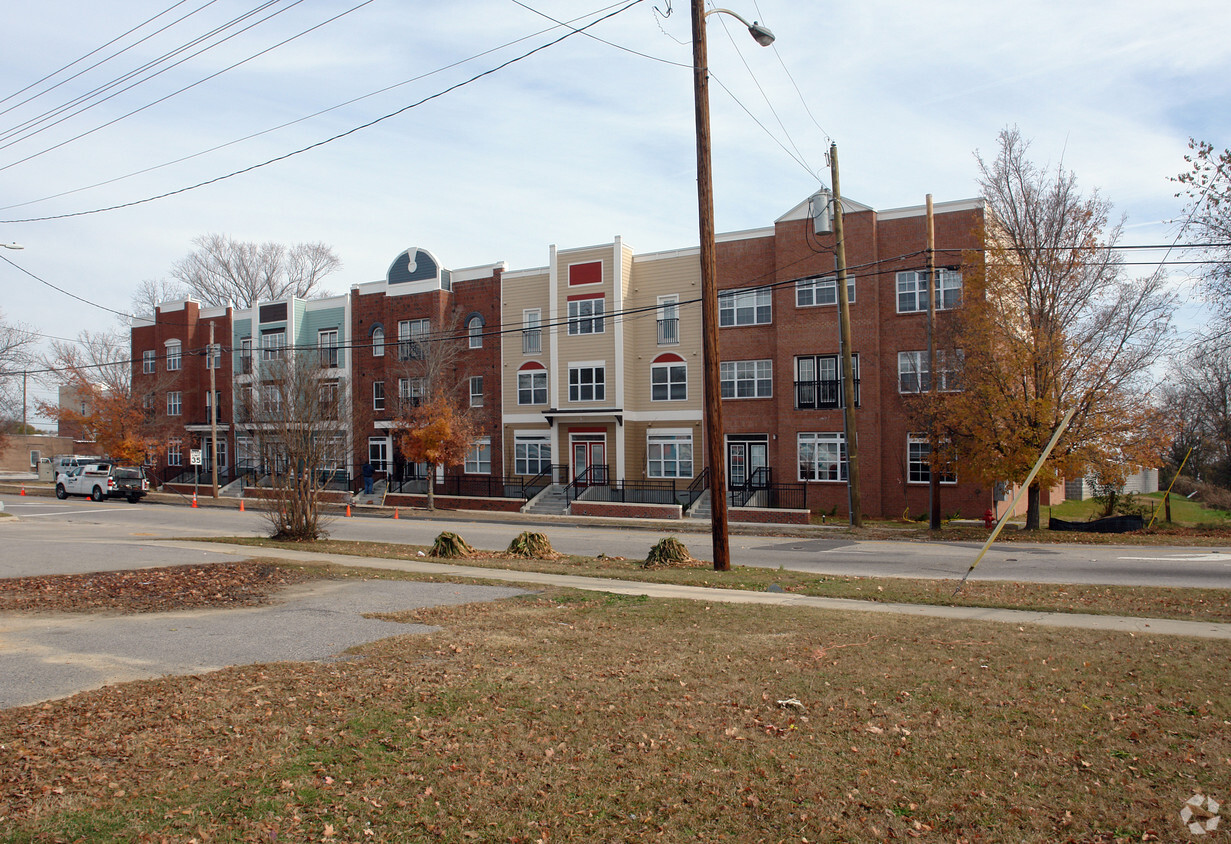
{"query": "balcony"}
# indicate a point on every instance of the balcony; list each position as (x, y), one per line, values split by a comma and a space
(532, 341)
(819, 395)
(669, 332)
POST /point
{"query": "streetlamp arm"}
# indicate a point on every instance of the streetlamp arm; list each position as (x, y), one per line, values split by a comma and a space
(761, 33)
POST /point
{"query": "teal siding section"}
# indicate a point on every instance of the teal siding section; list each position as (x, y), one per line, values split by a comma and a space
(240, 329)
(313, 321)
(298, 307)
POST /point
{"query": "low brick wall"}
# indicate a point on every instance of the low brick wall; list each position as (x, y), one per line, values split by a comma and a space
(456, 502)
(620, 509)
(766, 516)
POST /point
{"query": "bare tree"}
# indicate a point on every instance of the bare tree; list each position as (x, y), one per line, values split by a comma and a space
(153, 292)
(16, 345)
(1048, 322)
(1207, 218)
(223, 270)
(1200, 401)
(296, 413)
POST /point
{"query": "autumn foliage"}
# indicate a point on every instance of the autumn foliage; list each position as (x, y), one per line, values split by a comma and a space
(436, 432)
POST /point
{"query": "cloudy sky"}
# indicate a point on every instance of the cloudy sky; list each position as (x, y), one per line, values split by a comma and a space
(573, 144)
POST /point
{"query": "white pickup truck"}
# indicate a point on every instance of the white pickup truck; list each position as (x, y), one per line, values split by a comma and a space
(101, 481)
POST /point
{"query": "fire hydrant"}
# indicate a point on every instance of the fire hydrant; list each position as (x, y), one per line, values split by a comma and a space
(989, 519)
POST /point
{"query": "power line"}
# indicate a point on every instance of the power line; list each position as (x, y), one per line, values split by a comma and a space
(336, 137)
(297, 120)
(92, 52)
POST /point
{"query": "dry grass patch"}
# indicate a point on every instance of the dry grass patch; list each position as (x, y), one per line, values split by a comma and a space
(1144, 601)
(591, 718)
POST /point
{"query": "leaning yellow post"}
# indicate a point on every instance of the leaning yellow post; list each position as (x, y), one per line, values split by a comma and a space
(1167, 494)
(1064, 423)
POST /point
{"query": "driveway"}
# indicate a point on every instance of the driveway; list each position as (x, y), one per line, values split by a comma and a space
(49, 656)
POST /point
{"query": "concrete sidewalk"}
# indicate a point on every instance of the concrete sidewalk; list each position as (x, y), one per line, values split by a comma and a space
(1137, 626)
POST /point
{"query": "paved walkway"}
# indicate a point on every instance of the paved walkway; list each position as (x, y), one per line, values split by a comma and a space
(1150, 626)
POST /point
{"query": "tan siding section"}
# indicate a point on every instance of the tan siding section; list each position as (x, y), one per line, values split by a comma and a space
(586, 347)
(521, 294)
(649, 280)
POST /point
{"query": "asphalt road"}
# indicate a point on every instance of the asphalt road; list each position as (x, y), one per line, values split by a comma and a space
(53, 536)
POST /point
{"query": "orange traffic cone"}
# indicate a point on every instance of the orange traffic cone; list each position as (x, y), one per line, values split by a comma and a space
(241, 505)
(23, 489)
(395, 512)
(194, 499)
(348, 511)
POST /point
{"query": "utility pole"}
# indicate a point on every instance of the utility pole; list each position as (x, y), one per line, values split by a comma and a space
(212, 363)
(933, 467)
(709, 298)
(848, 370)
(24, 375)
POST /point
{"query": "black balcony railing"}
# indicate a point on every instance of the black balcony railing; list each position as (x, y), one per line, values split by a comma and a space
(814, 395)
(669, 332)
(532, 341)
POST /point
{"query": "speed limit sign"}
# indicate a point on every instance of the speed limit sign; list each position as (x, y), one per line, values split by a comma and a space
(194, 457)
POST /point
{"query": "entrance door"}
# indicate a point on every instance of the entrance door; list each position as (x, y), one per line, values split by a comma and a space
(744, 457)
(590, 452)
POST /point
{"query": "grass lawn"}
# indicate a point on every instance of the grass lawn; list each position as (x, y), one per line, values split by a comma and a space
(566, 716)
(1157, 602)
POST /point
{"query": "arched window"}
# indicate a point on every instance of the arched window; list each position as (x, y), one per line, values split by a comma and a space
(668, 378)
(173, 355)
(474, 327)
(532, 384)
(378, 341)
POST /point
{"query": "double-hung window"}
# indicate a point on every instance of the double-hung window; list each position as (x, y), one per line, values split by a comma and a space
(412, 337)
(272, 343)
(175, 403)
(913, 290)
(378, 395)
(915, 377)
(587, 383)
(753, 306)
(147, 361)
(585, 315)
(531, 333)
(746, 379)
(271, 401)
(531, 454)
(213, 356)
(918, 462)
(532, 386)
(669, 454)
(173, 355)
(410, 392)
(327, 347)
(668, 378)
(474, 331)
(476, 391)
(822, 457)
(810, 292)
(245, 355)
(175, 452)
(479, 457)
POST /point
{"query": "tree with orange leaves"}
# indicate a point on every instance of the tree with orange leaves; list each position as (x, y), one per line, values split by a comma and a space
(1049, 322)
(436, 431)
(98, 370)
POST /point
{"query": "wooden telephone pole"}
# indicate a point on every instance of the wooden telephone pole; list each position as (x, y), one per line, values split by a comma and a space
(848, 370)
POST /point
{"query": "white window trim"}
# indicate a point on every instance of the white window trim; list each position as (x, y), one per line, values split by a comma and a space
(586, 364)
(149, 362)
(667, 365)
(735, 381)
(816, 284)
(538, 439)
(475, 450)
(596, 319)
(734, 296)
(680, 436)
(175, 355)
(816, 438)
(531, 373)
(947, 478)
(476, 399)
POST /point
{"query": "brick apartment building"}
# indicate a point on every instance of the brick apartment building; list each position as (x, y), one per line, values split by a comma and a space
(591, 366)
(171, 372)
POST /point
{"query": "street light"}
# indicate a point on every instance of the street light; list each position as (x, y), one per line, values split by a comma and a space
(709, 270)
(12, 246)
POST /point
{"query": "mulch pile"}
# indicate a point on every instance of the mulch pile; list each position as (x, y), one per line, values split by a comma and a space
(162, 589)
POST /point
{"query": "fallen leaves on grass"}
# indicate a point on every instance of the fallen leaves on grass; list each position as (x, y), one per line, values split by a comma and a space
(160, 589)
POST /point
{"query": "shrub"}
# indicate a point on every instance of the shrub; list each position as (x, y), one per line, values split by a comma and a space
(670, 553)
(527, 544)
(450, 546)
